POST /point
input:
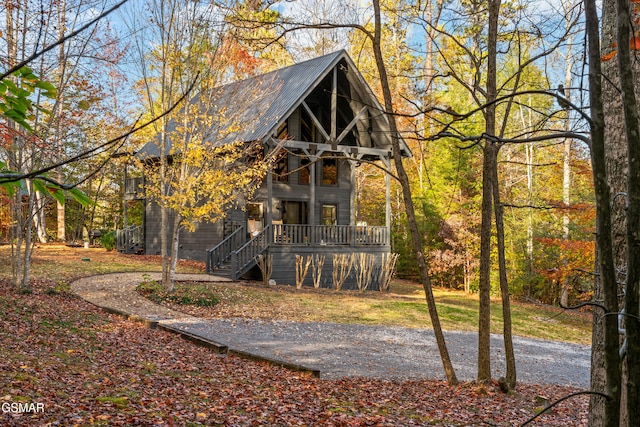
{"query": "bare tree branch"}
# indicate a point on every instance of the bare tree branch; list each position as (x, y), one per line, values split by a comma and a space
(562, 399)
(12, 177)
(61, 40)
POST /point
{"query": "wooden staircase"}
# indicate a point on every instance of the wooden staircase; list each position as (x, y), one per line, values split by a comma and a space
(236, 255)
(222, 270)
(130, 240)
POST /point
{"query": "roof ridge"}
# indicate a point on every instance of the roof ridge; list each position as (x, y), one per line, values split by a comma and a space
(340, 52)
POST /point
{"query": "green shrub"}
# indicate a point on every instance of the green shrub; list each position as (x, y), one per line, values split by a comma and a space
(183, 294)
(108, 240)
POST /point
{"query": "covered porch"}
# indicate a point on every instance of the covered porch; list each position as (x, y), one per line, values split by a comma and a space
(316, 195)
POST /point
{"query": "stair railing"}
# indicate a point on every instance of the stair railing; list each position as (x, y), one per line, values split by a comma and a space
(130, 239)
(246, 256)
(222, 252)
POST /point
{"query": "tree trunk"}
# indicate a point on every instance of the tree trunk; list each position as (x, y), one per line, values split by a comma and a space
(605, 323)
(406, 193)
(38, 216)
(175, 247)
(23, 276)
(566, 200)
(61, 235)
(632, 133)
(62, 64)
(484, 291)
(509, 354)
(164, 211)
(566, 174)
(529, 158)
(490, 165)
(21, 217)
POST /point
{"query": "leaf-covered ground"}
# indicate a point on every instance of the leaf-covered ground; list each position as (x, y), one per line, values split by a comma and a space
(92, 368)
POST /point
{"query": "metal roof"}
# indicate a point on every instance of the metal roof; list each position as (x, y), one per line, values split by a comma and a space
(280, 92)
(254, 108)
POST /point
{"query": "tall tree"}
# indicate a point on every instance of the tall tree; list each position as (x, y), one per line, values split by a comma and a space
(502, 64)
(620, 116)
(628, 40)
(605, 345)
(205, 176)
(568, 142)
(21, 150)
(407, 197)
(632, 296)
(489, 175)
(196, 171)
(164, 81)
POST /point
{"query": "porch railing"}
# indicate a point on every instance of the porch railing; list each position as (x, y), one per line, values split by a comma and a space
(221, 253)
(303, 234)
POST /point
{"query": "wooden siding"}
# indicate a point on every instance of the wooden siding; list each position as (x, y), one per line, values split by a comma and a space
(192, 245)
(292, 191)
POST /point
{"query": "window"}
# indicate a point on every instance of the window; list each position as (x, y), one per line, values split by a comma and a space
(283, 130)
(330, 171)
(304, 176)
(281, 169)
(307, 127)
(255, 211)
(329, 215)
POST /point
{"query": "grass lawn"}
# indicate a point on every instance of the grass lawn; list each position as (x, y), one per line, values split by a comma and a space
(90, 368)
(404, 306)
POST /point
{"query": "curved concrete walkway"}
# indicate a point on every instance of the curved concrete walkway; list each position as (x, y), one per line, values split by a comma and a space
(338, 350)
(115, 293)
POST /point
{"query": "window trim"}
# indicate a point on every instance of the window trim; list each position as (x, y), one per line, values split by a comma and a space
(335, 211)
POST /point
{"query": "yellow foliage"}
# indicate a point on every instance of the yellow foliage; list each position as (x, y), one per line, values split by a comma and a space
(206, 174)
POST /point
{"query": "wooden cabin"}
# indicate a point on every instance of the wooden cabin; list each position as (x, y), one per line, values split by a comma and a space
(328, 120)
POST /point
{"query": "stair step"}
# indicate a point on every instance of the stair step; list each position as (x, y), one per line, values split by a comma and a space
(223, 270)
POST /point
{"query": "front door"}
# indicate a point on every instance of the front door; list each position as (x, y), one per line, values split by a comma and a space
(294, 212)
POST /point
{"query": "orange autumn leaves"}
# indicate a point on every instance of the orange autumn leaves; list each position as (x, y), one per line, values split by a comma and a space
(634, 43)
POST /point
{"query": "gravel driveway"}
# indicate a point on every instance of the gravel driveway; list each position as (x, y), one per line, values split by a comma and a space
(339, 350)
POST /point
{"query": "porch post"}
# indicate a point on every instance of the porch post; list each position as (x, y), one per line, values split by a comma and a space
(125, 213)
(387, 210)
(312, 192)
(334, 107)
(312, 154)
(269, 207)
(352, 197)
